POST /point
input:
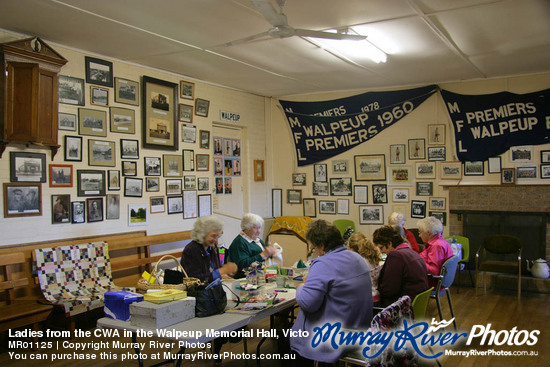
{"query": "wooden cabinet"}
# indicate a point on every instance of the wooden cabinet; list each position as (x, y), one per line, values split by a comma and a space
(29, 93)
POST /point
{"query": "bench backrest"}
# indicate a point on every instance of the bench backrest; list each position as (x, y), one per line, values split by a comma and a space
(8, 262)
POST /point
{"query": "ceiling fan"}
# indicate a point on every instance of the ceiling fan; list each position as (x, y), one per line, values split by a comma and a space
(281, 29)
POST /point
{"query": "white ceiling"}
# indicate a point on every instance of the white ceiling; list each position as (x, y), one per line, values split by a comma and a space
(427, 41)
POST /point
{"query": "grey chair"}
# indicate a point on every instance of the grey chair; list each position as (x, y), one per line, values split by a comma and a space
(444, 281)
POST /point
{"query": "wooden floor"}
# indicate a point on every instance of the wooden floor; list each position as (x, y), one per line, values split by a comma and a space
(498, 308)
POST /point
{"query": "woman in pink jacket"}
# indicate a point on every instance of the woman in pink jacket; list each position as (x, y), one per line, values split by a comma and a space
(436, 248)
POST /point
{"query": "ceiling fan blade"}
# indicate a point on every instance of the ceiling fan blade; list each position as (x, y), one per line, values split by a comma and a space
(328, 35)
(277, 19)
(246, 39)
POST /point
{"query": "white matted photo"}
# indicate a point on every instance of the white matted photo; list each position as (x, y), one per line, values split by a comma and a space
(371, 214)
(137, 214)
(342, 206)
(157, 204)
(437, 203)
(400, 195)
(521, 153)
(340, 167)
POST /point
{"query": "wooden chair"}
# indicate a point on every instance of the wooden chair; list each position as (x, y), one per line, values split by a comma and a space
(18, 312)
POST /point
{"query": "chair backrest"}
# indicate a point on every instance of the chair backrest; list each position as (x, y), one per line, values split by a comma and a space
(392, 315)
(465, 242)
(343, 224)
(502, 244)
(420, 303)
(448, 271)
(9, 284)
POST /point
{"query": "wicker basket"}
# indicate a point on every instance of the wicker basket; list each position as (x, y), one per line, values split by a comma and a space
(144, 284)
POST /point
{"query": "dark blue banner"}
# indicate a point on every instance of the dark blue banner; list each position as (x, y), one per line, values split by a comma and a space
(488, 125)
(323, 129)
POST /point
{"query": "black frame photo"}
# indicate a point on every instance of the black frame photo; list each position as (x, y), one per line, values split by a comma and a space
(320, 173)
(310, 207)
(66, 121)
(424, 188)
(133, 187)
(327, 206)
(341, 186)
(152, 166)
(113, 179)
(360, 194)
(418, 209)
(474, 168)
(160, 95)
(94, 212)
(185, 113)
(71, 90)
(204, 139)
(380, 194)
(371, 214)
(27, 167)
(174, 204)
(201, 107)
(129, 149)
(78, 212)
(99, 72)
(294, 196)
(152, 184)
(90, 182)
(22, 199)
(73, 148)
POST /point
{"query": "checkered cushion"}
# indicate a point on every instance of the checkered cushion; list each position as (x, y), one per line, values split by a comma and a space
(76, 276)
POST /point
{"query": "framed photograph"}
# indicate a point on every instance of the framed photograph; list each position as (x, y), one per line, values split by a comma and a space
(137, 214)
(294, 196)
(425, 170)
(71, 90)
(340, 186)
(340, 167)
(397, 154)
(424, 188)
(66, 121)
(92, 122)
(320, 188)
(190, 209)
(521, 154)
(152, 184)
(159, 114)
(436, 134)
(174, 186)
(371, 214)
(99, 96)
(219, 185)
(99, 72)
(298, 179)
(90, 182)
(205, 205)
(94, 208)
(203, 162)
(173, 165)
(277, 202)
(73, 148)
(474, 168)
(187, 90)
(185, 113)
(417, 149)
(320, 173)
(442, 216)
(360, 194)
(227, 147)
(101, 153)
(526, 172)
(379, 194)
(129, 149)
(201, 107)
(400, 195)
(123, 120)
(545, 171)
(27, 167)
(203, 183)
(259, 171)
(114, 179)
(218, 150)
(437, 153)
(327, 207)
(157, 204)
(236, 147)
(189, 183)
(204, 139)
(133, 187)
(175, 204)
(112, 203)
(310, 207)
(437, 203)
(400, 175)
(218, 166)
(545, 156)
(126, 91)
(228, 167)
(370, 167)
(188, 133)
(494, 165)
(61, 175)
(152, 166)
(236, 167)
(129, 168)
(22, 199)
(78, 212)
(450, 170)
(508, 176)
(418, 209)
(342, 206)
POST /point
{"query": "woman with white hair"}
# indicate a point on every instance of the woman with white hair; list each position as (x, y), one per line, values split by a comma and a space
(200, 257)
(247, 247)
(436, 248)
(398, 219)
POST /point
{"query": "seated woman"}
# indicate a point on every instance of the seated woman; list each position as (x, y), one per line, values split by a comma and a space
(436, 248)
(404, 271)
(200, 257)
(396, 218)
(247, 247)
(333, 292)
(359, 243)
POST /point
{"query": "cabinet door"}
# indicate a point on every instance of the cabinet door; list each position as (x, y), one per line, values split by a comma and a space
(22, 98)
(46, 123)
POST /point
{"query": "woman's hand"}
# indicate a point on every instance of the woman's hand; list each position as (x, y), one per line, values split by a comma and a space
(268, 252)
(228, 270)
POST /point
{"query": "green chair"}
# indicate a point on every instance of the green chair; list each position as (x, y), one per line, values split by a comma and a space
(343, 225)
(465, 242)
(420, 303)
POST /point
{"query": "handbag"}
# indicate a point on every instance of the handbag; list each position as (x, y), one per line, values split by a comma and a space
(181, 282)
(210, 299)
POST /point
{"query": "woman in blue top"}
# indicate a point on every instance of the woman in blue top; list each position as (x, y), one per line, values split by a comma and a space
(337, 289)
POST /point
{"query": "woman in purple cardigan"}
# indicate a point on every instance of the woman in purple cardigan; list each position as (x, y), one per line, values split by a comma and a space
(337, 289)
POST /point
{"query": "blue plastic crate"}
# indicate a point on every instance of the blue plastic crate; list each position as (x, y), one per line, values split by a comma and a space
(117, 304)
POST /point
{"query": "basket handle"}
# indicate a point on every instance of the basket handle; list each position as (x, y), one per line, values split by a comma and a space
(169, 257)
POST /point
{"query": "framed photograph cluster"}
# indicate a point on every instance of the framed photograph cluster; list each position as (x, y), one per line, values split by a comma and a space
(227, 162)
